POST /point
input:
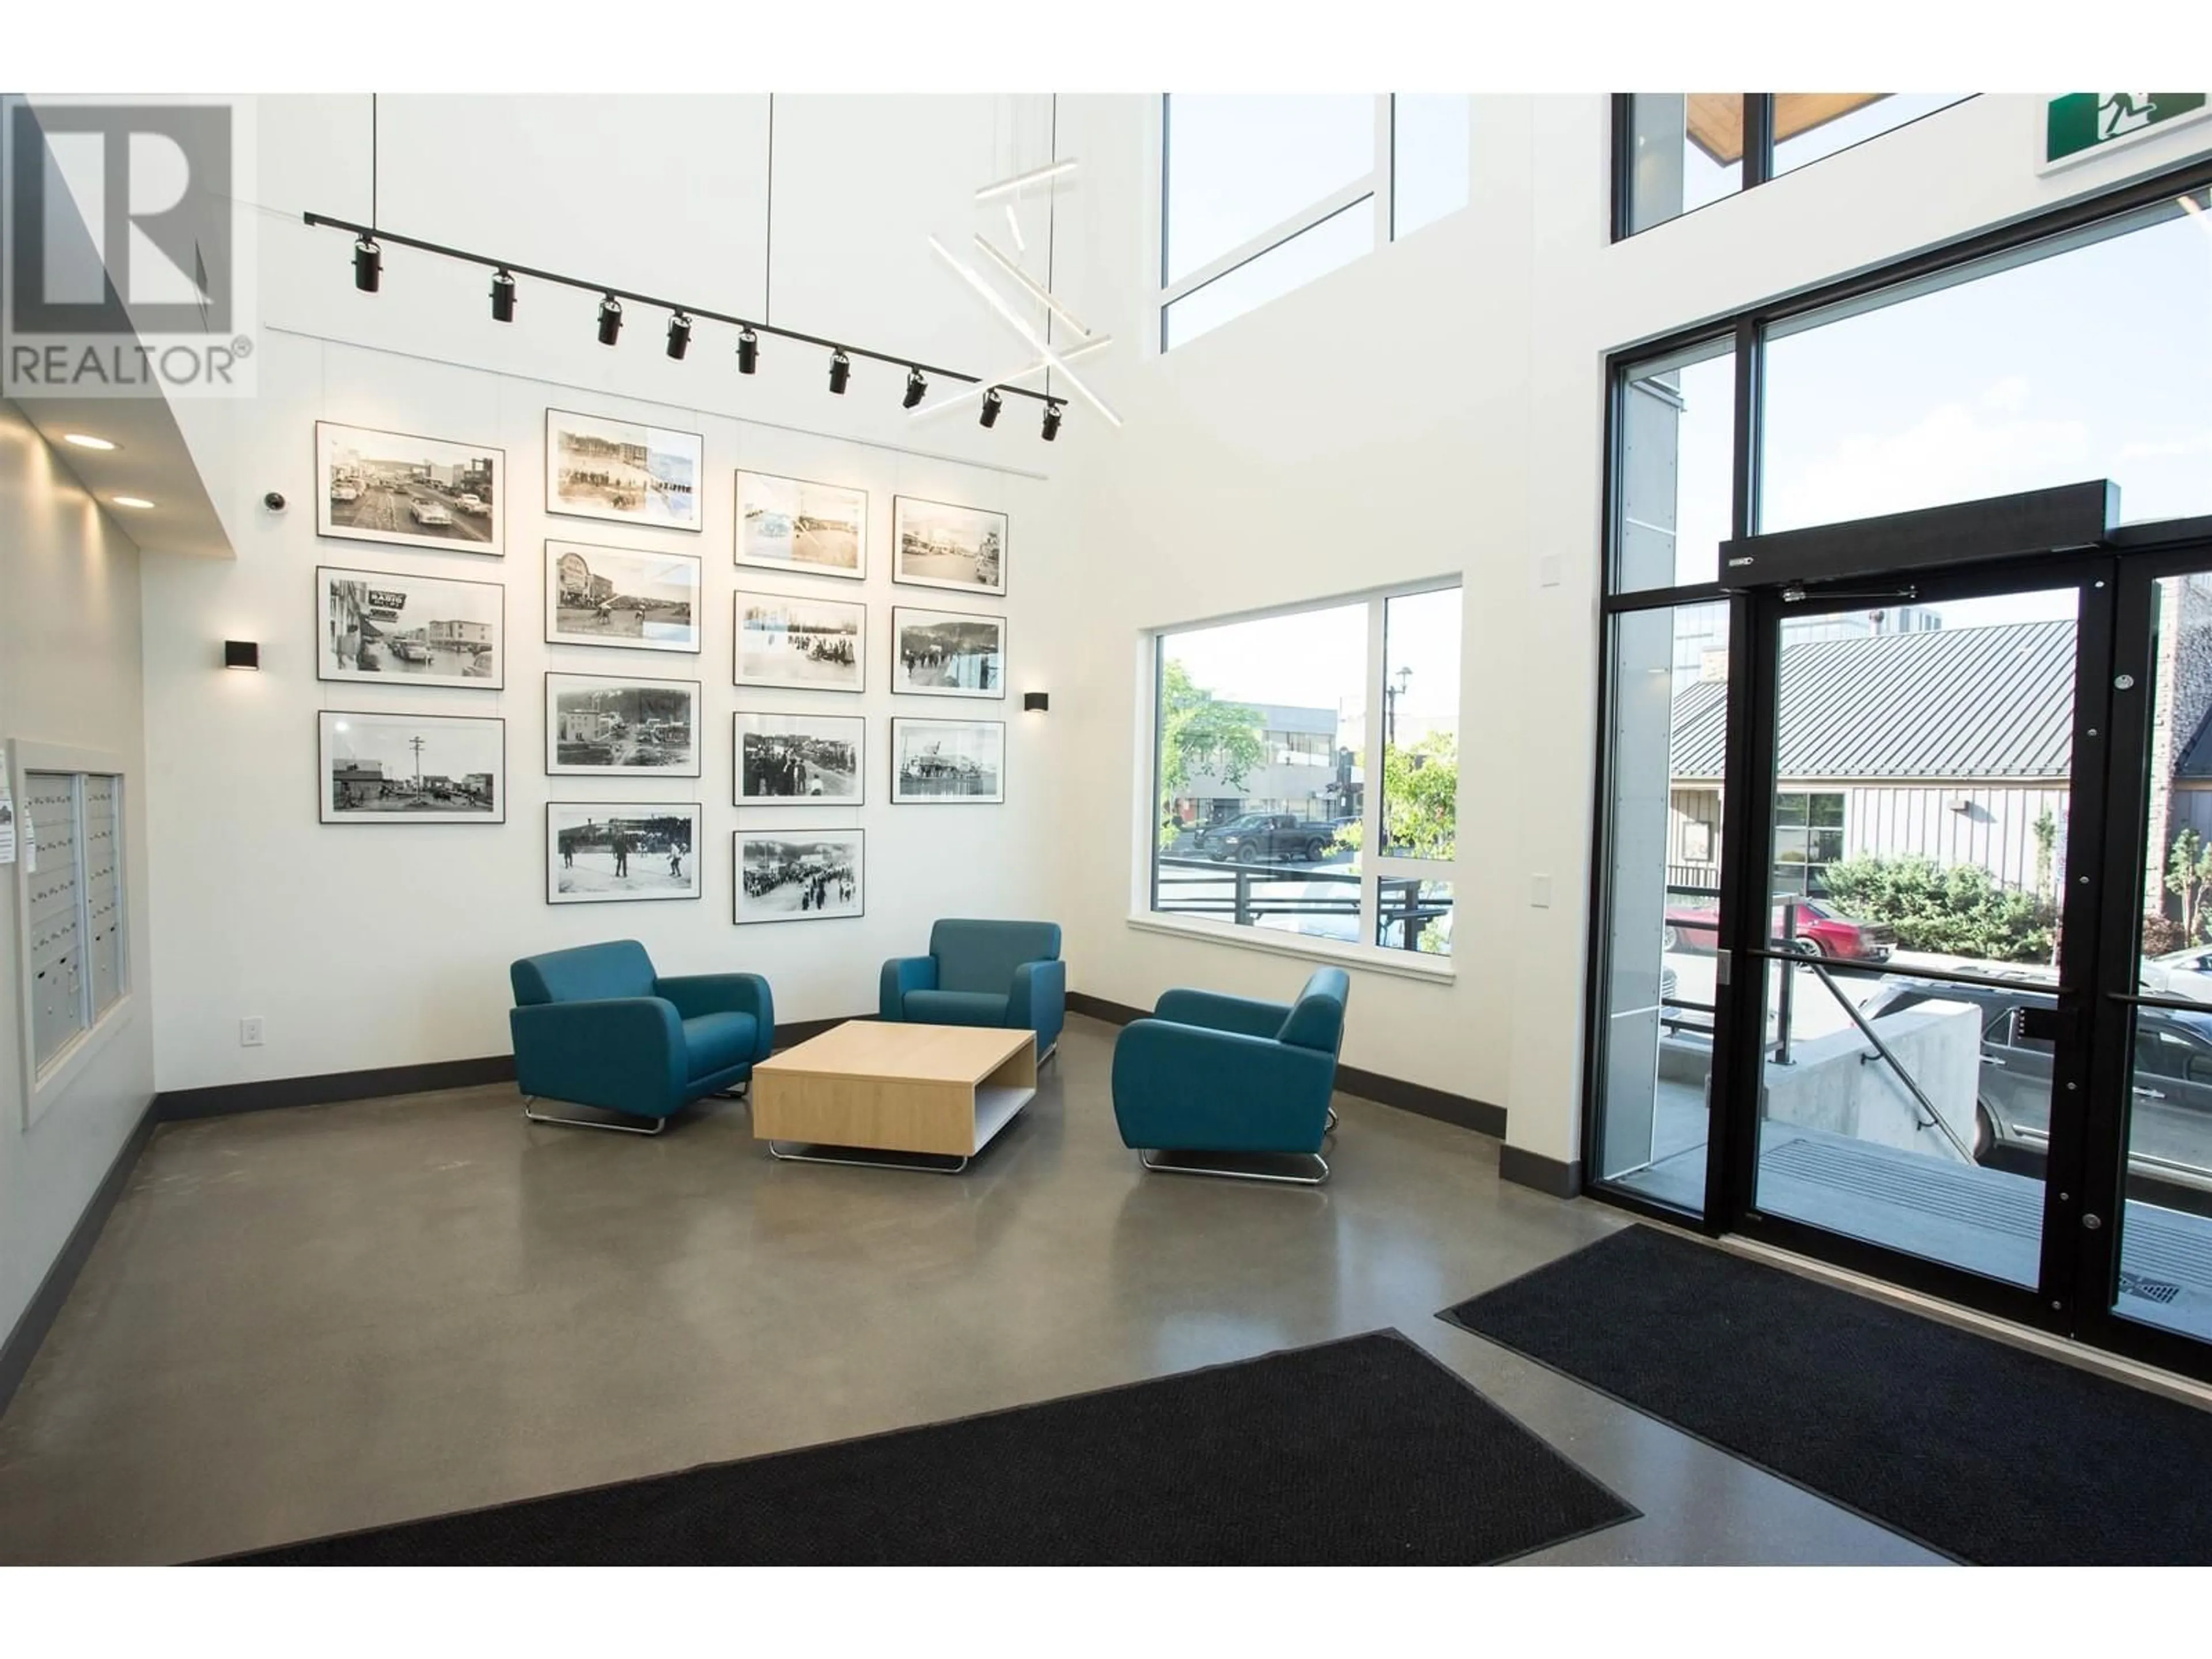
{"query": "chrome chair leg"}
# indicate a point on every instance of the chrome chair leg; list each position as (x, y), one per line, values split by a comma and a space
(589, 1123)
(862, 1162)
(1329, 1127)
(1244, 1175)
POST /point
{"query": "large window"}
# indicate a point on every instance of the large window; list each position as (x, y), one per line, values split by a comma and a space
(1685, 149)
(1263, 193)
(2089, 356)
(2082, 352)
(1677, 417)
(1681, 151)
(1652, 1036)
(1268, 813)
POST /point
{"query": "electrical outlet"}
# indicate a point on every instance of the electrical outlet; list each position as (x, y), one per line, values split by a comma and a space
(249, 1032)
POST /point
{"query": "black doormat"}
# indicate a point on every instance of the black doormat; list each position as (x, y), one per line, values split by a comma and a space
(1982, 1451)
(1362, 1451)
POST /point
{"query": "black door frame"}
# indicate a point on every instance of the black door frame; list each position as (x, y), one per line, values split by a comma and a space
(2147, 555)
(1744, 333)
(1739, 1072)
(2085, 1164)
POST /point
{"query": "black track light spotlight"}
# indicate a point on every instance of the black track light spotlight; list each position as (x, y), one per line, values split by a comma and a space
(679, 335)
(1051, 421)
(917, 385)
(609, 320)
(840, 371)
(748, 351)
(502, 295)
(368, 264)
(991, 404)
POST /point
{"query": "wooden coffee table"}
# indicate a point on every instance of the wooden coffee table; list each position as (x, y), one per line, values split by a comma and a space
(922, 1093)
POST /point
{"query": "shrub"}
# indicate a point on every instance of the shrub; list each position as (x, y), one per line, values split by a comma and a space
(2161, 935)
(1961, 909)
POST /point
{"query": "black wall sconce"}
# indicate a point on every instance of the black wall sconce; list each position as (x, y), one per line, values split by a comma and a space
(241, 653)
(1036, 703)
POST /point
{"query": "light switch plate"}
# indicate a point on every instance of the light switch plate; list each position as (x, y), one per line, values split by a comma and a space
(1539, 892)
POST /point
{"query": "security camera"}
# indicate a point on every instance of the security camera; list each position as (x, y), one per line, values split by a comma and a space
(274, 500)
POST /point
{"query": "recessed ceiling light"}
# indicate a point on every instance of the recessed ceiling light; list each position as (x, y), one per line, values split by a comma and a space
(86, 440)
(139, 501)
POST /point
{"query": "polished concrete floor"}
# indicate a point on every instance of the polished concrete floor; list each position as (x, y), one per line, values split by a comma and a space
(302, 1321)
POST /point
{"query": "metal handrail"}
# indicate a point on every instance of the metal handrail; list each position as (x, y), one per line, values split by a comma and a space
(1866, 1030)
(1413, 911)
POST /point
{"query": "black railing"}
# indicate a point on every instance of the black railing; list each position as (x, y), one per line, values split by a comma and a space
(1399, 898)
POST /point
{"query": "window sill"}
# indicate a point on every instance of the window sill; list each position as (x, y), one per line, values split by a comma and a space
(1404, 964)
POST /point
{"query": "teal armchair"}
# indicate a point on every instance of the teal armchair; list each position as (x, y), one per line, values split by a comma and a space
(982, 973)
(595, 1026)
(1213, 1073)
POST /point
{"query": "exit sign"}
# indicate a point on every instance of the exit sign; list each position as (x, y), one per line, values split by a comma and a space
(2078, 124)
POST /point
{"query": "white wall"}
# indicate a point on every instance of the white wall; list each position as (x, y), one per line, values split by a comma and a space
(375, 945)
(68, 677)
(1446, 395)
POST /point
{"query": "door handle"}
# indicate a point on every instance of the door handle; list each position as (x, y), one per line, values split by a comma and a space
(2142, 1093)
(1991, 1059)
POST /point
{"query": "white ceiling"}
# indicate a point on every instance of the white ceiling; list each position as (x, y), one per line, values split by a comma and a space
(150, 460)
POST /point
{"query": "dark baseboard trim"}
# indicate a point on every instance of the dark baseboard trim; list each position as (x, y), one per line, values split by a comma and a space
(271, 1094)
(790, 1033)
(1546, 1175)
(1462, 1111)
(1114, 1013)
(228, 1099)
(46, 1304)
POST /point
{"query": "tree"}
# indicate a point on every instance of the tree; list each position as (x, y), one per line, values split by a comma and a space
(2188, 872)
(1420, 798)
(1199, 735)
(2047, 847)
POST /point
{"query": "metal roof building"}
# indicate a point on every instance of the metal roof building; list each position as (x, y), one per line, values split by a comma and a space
(1990, 704)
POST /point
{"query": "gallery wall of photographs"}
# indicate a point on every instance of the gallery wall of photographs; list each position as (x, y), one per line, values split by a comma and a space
(624, 604)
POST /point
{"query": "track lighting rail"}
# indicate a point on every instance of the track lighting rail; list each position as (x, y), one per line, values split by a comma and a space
(628, 296)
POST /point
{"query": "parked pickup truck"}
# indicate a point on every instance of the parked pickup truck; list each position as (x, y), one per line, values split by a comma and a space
(1261, 835)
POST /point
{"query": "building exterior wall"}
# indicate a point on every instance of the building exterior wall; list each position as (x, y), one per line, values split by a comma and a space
(1954, 823)
(1287, 782)
(2183, 679)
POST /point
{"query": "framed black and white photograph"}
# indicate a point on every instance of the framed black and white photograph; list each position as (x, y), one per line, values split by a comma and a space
(599, 852)
(797, 875)
(605, 726)
(937, 762)
(798, 760)
(411, 768)
(797, 525)
(373, 486)
(632, 598)
(812, 644)
(596, 467)
(390, 629)
(948, 654)
(940, 545)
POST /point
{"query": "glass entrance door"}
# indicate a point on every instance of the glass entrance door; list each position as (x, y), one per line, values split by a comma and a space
(2147, 1238)
(1922, 880)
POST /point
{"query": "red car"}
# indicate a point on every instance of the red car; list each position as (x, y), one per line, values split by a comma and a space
(1816, 927)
